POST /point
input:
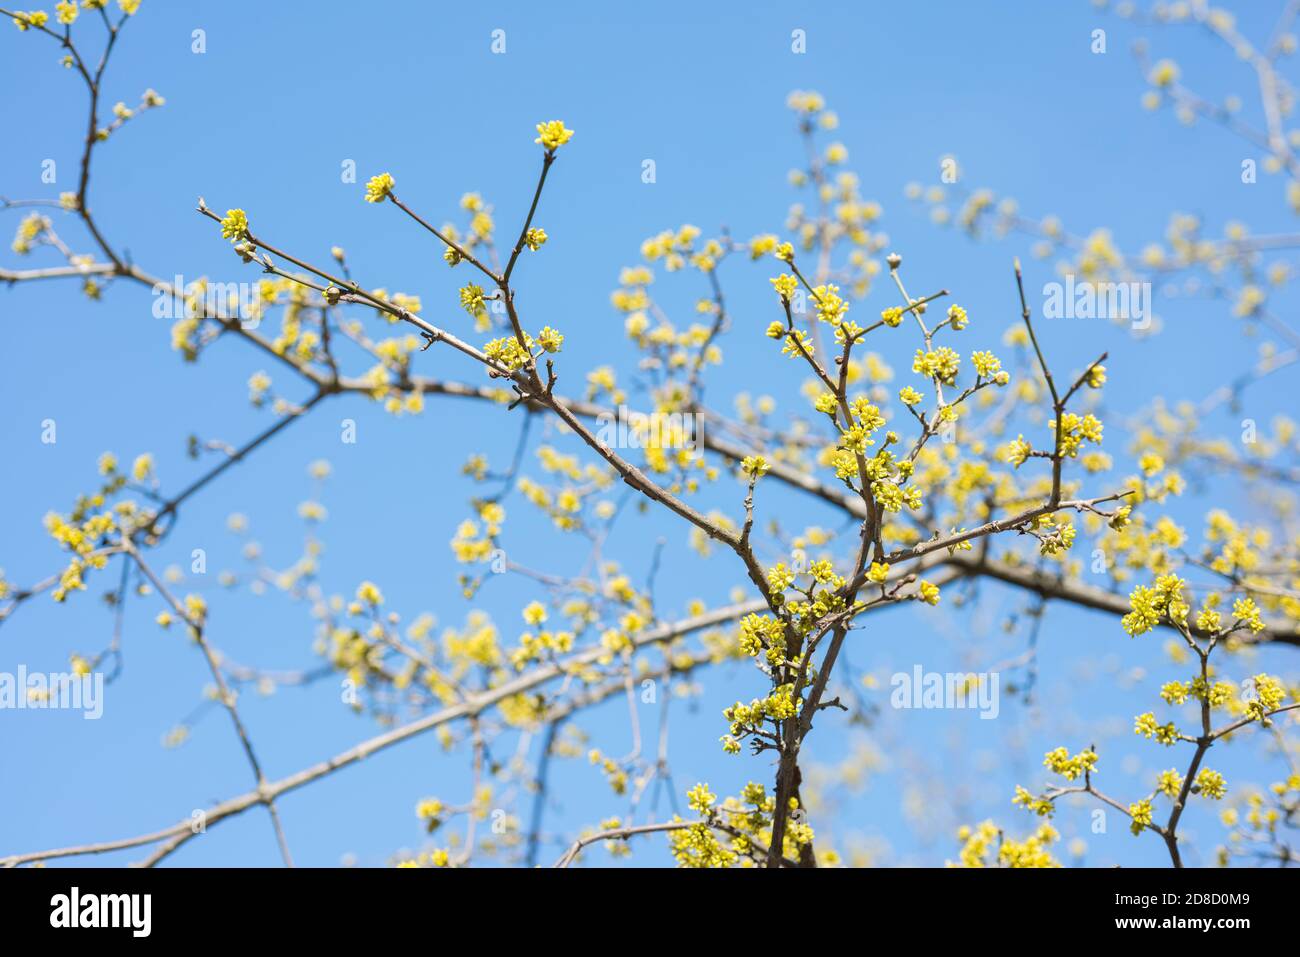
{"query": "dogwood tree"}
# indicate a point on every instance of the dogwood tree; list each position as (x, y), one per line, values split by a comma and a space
(954, 449)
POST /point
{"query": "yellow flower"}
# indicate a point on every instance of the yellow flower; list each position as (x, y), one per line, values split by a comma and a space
(259, 383)
(1150, 463)
(196, 609)
(534, 238)
(700, 798)
(940, 364)
(235, 225)
(1141, 812)
(1169, 783)
(805, 101)
(378, 188)
(471, 299)
(1269, 695)
(909, 396)
(550, 339)
(1151, 605)
(1071, 768)
(1211, 784)
(553, 135)
(1247, 612)
(1121, 517)
(1147, 726)
(507, 352)
(986, 364)
(1165, 73)
(785, 286)
(1040, 806)
(830, 307)
(37, 18)
(66, 11)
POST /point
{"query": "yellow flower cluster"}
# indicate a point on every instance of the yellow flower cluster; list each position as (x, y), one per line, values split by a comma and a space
(1151, 605)
(1169, 783)
(1269, 695)
(763, 633)
(553, 135)
(1018, 451)
(755, 466)
(379, 188)
(25, 21)
(1075, 430)
(1246, 612)
(672, 247)
(535, 647)
(1147, 726)
(234, 226)
(980, 842)
(830, 306)
(746, 719)
(1070, 767)
(1210, 784)
(940, 364)
(1040, 806)
(85, 532)
(1140, 812)
(698, 846)
(785, 286)
(988, 366)
(534, 238)
(614, 773)
(30, 229)
(507, 352)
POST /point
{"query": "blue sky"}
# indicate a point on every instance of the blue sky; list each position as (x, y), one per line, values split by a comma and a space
(264, 119)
